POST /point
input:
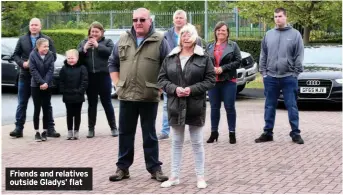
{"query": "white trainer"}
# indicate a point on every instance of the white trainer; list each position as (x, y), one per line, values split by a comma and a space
(169, 183)
(201, 184)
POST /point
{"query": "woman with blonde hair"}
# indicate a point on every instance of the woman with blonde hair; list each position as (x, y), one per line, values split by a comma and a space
(186, 74)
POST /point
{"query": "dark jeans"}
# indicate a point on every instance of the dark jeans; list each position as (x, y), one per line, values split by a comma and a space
(100, 84)
(289, 87)
(24, 93)
(128, 117)
(41, 99)
(223, 91)
(74, 115)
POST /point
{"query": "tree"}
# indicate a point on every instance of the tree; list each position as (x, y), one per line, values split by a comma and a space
(16, 14)
(315, 13)
(309, 14)
(116, 5)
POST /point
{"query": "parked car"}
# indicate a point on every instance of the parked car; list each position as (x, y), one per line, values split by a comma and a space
(10, 69)
(321, 80)
(245, 74)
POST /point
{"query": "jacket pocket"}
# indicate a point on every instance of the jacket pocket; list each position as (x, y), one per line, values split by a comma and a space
(291, 65)
(151, 59)
(151, 91)
(199, 65)
(119, 88)
(123, 51)
(196, 105)
(173, 106)
(283, 66)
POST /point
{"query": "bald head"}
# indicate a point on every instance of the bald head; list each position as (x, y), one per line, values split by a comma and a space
(35, 26)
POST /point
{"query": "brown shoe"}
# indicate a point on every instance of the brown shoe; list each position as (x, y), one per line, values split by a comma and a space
(120, 175)
(158, 175)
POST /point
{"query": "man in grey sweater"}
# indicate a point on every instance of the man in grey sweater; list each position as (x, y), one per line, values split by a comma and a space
(282, 53)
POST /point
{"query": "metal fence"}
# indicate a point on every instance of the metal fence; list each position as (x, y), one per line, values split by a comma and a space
(239, 27)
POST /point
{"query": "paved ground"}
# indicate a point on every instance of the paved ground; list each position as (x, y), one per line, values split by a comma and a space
(246, 167)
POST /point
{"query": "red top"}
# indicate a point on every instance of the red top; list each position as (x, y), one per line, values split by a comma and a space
(218, 52)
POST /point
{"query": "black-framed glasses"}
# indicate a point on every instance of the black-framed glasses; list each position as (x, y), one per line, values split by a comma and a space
(139, 19)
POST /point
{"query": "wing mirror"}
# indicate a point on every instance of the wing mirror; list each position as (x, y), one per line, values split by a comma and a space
(8, 58)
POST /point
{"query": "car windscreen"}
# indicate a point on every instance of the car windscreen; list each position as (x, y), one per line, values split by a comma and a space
(114, 38)
(323, 55)
(8, 45)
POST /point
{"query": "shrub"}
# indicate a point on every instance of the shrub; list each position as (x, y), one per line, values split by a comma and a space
(66, 39)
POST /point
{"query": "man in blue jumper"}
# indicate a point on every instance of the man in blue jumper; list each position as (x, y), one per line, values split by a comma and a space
(281, 58)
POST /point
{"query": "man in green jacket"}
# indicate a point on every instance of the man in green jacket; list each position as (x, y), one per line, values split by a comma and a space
(134, 66)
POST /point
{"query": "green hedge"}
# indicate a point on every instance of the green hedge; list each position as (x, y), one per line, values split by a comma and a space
(66, 39)
(331, 40)
(252, 46)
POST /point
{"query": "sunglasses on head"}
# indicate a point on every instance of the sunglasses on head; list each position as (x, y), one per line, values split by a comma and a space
(140, 20)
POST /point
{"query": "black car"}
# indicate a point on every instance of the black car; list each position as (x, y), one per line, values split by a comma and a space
(10, 70)
(321, 80)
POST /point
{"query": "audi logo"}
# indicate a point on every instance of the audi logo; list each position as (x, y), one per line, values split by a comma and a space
(313, 82)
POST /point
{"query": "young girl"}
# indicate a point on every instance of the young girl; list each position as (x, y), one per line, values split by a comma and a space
(73, 84)
(41, 63)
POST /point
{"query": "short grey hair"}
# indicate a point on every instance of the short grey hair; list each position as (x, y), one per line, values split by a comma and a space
(191, 30)
(178, 12)
(35, 19)
(142, 9)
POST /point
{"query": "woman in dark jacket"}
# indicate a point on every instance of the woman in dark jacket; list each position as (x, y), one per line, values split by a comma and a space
(41, 63)
(226, 56)
(186, 74)
(73, 84)
(94, 53)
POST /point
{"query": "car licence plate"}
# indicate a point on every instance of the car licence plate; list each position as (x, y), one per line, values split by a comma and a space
(312, 90)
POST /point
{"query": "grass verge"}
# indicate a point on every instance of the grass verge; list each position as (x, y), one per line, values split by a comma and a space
(257, 83)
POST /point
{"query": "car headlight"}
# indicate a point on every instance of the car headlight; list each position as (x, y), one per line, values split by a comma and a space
(340, 81)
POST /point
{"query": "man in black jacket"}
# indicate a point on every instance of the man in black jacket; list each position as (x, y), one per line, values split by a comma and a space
(25, 45)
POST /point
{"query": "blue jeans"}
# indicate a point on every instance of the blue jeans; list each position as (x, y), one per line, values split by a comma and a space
(223, 91)
(272, 88)
(165, 124)
(99, 84)
(24, 93)
(128, 117)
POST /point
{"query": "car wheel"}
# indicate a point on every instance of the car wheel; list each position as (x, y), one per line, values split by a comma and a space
(240, 88)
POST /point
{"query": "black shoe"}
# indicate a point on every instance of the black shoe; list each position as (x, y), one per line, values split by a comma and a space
(38, 138)
(115, 132)
(297, 139)
(53, 133)
(264, 138)
(90, 133)
(214, 136)
(43, 137)
(16, 133)
(158, 175)
(232, 136)
(120, 175)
